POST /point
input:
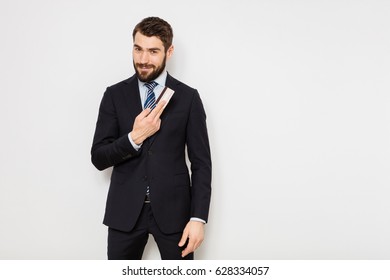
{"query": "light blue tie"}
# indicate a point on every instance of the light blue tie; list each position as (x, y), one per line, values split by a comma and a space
(150, 101)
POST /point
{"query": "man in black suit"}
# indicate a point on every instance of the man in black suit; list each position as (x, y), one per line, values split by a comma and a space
(151, 189)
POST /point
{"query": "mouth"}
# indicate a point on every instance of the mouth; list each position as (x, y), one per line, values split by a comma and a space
(144, 67)
(146, 71)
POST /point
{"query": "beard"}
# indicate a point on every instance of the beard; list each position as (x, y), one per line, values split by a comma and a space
(157, 70)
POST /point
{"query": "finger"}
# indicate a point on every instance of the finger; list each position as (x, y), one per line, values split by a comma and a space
(185, 253)
(158, 110)
(162, 103)
(144, 113)
(189, 249)
(183, 239)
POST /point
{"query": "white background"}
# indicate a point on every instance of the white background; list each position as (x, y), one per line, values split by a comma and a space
(298, 105)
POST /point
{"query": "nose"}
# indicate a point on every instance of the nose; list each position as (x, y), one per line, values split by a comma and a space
(144, 57)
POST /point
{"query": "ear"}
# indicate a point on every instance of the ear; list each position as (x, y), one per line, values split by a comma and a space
(170, 51)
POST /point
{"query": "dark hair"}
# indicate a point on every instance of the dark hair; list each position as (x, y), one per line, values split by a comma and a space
(154, 26)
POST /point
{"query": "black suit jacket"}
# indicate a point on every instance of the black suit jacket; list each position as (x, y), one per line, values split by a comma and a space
(160, 163)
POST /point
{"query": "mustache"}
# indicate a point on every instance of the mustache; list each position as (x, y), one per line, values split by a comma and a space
(144, 65)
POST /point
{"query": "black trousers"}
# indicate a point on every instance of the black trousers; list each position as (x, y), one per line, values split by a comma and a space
(131, 245)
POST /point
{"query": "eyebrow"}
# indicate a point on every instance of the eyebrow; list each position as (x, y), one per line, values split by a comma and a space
(151, 49)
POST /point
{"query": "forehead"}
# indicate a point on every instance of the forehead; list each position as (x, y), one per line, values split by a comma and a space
(148, 42)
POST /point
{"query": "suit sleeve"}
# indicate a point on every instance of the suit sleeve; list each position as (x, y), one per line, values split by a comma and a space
(109, 148)
(200, 158)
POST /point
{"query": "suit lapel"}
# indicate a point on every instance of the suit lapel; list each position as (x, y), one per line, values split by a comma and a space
(132, 96)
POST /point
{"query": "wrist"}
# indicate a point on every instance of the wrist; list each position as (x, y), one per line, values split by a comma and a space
(137, 139)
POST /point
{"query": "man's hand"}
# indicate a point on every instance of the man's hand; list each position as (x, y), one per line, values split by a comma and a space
(194, 232)
(147, 123)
